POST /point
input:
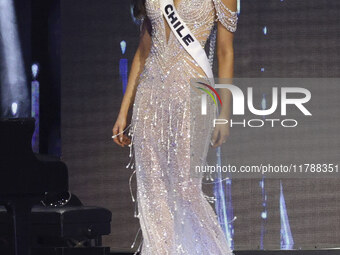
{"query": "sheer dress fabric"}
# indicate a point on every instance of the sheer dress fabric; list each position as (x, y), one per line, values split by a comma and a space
(169, 133)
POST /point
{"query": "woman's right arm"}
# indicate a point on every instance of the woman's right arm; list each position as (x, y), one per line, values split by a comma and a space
(137, 67)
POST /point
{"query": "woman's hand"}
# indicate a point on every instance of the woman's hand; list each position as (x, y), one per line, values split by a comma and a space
(118, 127)
(220, 134)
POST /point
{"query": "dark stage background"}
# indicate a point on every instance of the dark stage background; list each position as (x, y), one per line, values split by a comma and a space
(302, 40)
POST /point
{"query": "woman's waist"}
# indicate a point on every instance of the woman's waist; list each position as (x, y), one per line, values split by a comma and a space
(166, 67)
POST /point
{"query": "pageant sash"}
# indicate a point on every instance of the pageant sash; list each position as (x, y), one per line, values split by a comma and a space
(185, 37)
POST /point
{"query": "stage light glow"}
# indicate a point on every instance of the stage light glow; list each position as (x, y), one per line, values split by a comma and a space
(261, 183)
(223, 204)
(35, 70)
(123, 46)
(265, 30)
(287, 241)
(14, 85)
(264, 102)
(35, 106)
(263, 213)
(14, 108)
(123, 66)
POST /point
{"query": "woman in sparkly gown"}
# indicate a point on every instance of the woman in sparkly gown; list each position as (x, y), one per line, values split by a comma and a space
(174, 215)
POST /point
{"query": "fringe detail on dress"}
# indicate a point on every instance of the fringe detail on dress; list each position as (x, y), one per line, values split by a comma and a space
(134, 242)
(210, 199)
(131, 165)
(139, 247)
(130, 186)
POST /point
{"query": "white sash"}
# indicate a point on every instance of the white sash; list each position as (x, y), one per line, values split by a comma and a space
(185, 37)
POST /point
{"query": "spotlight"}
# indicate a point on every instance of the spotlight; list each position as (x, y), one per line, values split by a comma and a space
(265, 30)
(123, 66)
(14, 108)
(35, 70)
(35, 105)
(14, 94)
(264, 102)
(123, 46)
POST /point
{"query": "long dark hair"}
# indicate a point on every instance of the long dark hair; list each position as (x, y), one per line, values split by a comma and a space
(139, 8)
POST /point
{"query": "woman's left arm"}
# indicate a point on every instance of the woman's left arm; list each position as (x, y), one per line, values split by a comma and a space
(225, 58)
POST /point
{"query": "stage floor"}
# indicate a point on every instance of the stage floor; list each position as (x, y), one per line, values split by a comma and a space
(272, 252)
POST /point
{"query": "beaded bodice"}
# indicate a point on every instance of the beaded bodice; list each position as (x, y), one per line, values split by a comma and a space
(199, 16)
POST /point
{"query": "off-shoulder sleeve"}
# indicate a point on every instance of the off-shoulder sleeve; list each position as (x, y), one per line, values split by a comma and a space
(227, 17)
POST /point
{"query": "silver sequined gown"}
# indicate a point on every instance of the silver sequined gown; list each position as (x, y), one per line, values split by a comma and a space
(169, 133)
